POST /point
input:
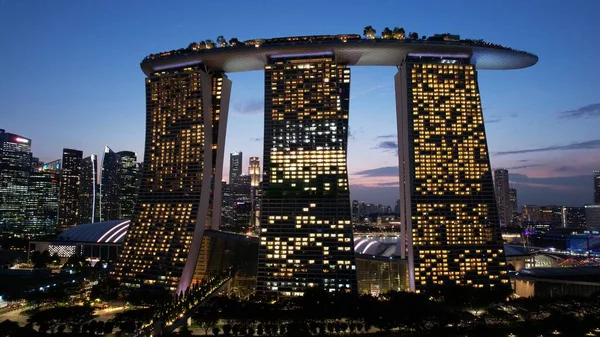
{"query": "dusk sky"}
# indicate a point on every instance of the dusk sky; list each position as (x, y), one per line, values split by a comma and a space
(71, 78)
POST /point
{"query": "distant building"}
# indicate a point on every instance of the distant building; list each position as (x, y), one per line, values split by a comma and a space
(530, 213)
(573, 217)
(109, 186)
(502, 189)
(397, 207)
(551, 215)
(87, 189)
(592, 216)
(41, 213)
(254, 171)
(597, 187)
(70, 175)
(128, 182)
(513, 201)
(15, 167)
(235, 166)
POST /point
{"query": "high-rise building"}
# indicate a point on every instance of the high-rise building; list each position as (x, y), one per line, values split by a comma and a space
(306, 232)
(501, 185)
(449, 213)
(397, 207)
(87, 189)
(597, 187)
(531, 213)
(109, 186)
(70, 175)
(254, 171)
(173, 206)
(592, 216)
(15, 167)
(41, 214)
(513, 202)
(235, 166)
(573, 217)
(127, 183)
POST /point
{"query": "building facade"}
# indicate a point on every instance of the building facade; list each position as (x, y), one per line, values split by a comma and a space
(513, 201)
(70, 175)
(306, 231)
(15, 167)
(109, 185)
(88, 189)
(573, 217)
(592, 216)
(235, 166)
(163, 243)
(127, 174)
(502, 188)
(449, 214)
(41, 214)
(597, 187)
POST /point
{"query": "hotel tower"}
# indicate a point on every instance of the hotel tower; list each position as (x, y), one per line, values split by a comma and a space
(306, 232)
(449, 217)
(184, 109)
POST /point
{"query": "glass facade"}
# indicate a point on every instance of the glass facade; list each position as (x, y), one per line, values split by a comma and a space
(41, 215)
(87, 189)
(70, 175)
(449, 214)
(306, 233)
(502, 188)
(162, 245)
(109, 186)
(127, 178)
(15, 167)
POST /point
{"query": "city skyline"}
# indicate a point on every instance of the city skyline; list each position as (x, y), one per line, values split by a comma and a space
(533, 116)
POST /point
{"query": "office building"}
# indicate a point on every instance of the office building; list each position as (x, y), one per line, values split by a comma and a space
(127, 174)
(513, 205)
(502, 188)
(41, 213)
(235, 166)
(306, 232)
(162, 245)
(15, 167)
(530, 213)
(592, 216)
(573, 217)
(597, 187)
(254, 171)
(551, 215)
(87, 189)
(449, 215)
(70, 175)
(109, 185)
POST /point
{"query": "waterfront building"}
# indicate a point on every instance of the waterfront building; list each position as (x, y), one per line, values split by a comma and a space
(15, 167)
(87, 189)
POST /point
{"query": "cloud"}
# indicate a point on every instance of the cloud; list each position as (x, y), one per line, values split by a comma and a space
(590, 144)
(588, 111)
(384, 171)
(493, 120)
(251, 106)
(256, 139)
(523, 166)
(563, 168)
(386, 136)
(387, 145)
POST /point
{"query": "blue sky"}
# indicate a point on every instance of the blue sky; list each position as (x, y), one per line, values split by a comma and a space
(71, 78)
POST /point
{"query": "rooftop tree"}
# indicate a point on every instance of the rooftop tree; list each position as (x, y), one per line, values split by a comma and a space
(369, 32)
(399, 33)
(386, 33)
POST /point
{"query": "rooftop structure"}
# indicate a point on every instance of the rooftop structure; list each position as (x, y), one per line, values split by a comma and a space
(349, 49)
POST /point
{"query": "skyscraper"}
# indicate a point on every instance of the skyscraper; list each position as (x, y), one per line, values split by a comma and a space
(306, 232)
(109, 186)
(254, 171)
(163, 242)
(15, 167)
(70, 175)
(513, 201)
(573, 217)
(502, 187)
(530, 213)
(235, 166)
(41, 214)
(449, 215)
(127, 183)
(597, 187)
(87, 189)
